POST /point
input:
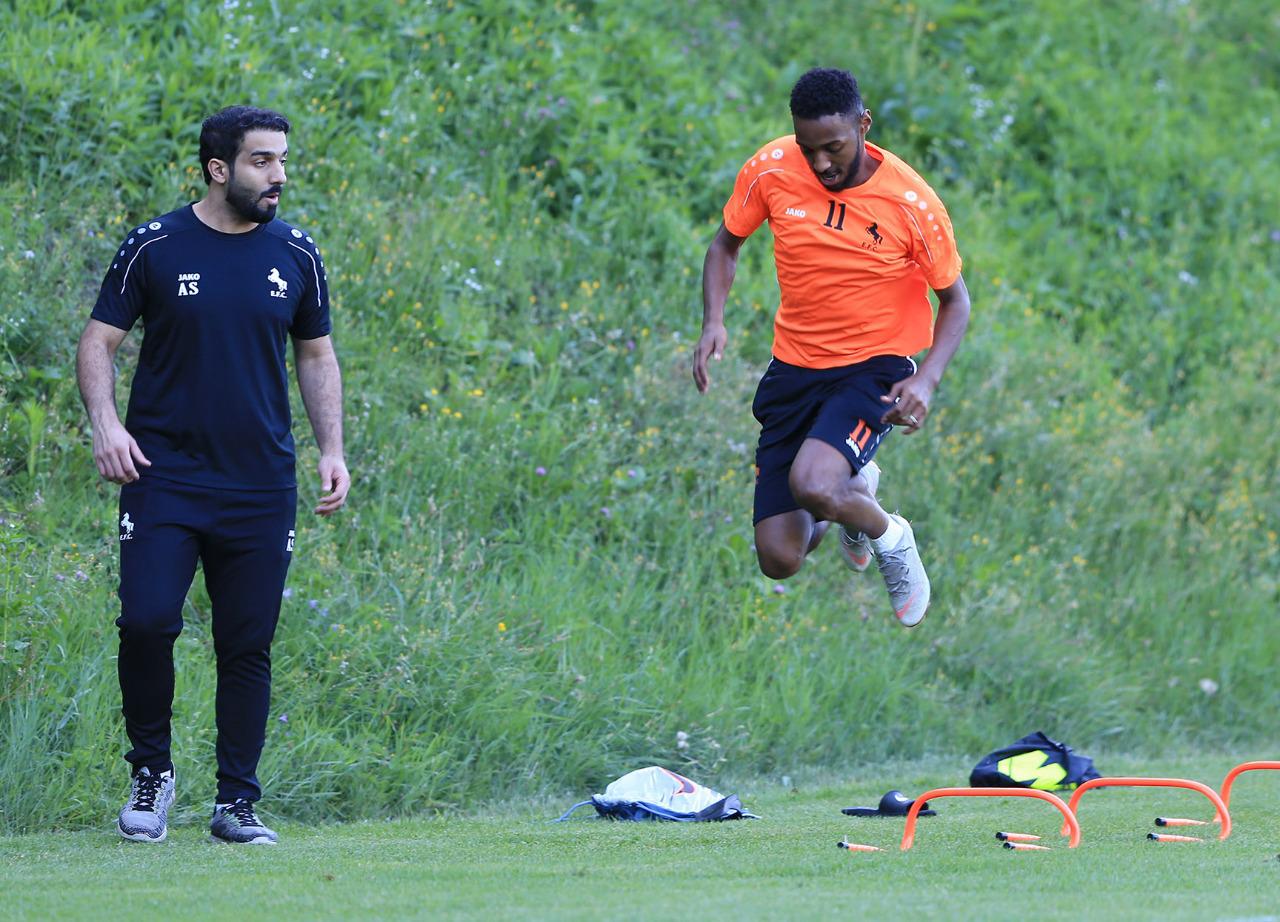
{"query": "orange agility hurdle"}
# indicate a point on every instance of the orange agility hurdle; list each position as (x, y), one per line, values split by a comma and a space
(1069, 818)
(1156, 783)
(1231, 777)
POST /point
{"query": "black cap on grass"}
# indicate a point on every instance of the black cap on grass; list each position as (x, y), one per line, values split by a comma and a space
(894, 803)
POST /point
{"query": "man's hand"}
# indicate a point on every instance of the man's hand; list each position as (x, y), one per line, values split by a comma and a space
(710, 345)
(335, 479)
(115, 451)
(908, 401)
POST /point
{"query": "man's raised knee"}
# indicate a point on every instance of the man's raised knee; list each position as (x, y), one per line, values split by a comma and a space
(777, 566)
(815, 499)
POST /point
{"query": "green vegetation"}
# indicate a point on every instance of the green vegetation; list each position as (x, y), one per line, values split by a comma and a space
(515, 864)
(513, 200)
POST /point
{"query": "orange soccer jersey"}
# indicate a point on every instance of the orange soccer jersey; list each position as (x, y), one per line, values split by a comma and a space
(854, 266)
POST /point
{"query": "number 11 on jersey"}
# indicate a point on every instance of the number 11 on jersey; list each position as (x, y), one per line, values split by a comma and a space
(831, 211)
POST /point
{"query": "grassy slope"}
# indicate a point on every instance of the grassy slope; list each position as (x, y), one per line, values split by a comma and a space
(514, 864)
(514, 209)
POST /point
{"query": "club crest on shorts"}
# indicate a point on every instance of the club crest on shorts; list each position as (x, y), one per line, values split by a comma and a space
(126, 528)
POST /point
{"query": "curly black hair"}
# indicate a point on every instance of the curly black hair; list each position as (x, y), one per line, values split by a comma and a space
(222, 132)
(826, 91)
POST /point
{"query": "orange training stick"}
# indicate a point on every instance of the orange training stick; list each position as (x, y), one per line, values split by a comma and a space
(855, 847)
(1020, 847)
(1167, 837)
(1017, 837)
(1178, 821)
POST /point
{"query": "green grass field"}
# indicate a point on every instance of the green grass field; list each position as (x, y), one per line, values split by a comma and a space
(511, 862)
(545, 578)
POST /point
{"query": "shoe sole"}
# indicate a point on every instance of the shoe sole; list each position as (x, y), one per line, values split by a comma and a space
(141, 836)
(257, 840)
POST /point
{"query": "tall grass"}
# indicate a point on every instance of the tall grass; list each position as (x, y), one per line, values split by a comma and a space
(545, 570)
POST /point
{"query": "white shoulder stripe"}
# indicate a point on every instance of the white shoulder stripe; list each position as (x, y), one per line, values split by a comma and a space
(314, 270)
(756, 180)
(928, 252)
(125, 283)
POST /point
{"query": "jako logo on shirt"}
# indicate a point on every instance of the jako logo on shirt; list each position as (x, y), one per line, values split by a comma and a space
(126, 528)
(282, 287)
(795, 212)
(188, 284)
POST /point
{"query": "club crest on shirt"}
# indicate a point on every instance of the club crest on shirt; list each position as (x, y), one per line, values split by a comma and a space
(282, 286)
(874, 238)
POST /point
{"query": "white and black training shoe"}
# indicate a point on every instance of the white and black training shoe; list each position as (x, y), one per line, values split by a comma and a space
(238, 823)
(145, 818)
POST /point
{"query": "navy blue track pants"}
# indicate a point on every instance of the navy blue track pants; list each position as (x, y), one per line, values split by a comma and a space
(244, 540)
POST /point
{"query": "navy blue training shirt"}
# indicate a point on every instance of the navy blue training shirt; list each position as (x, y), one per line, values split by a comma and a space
(209, 404)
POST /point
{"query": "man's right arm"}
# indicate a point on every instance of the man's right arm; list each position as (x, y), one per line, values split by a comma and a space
(114, 450)
(718, 270)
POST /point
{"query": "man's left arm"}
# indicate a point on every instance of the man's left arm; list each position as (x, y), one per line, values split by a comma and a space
(910, 397)
(320, 381)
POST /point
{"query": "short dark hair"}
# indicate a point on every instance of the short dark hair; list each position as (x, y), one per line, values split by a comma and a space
(222, 132)
(826, 91)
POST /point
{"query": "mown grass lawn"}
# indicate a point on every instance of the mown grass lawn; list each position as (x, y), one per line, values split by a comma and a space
(514, 863)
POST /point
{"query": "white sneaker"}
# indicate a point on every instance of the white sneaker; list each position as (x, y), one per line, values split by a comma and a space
(145, 817)
(237, 822)
(904, 576)
(856, 548)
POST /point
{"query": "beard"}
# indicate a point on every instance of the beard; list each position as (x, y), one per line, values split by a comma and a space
(852, 172)
(248, 204)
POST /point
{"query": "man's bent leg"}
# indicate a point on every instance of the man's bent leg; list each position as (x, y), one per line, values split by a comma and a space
(821, 483)
(824, 484)
(245, 564)
(783, 540)
(158, 550)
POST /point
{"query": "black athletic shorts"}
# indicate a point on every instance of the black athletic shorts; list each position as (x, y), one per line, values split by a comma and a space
(839, 406)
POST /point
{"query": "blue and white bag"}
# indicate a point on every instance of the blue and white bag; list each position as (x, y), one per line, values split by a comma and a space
(657, 793)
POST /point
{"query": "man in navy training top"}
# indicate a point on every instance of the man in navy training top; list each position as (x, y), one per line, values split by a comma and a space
(206, 455)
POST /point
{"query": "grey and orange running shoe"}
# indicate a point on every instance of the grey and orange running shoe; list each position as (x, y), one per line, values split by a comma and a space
(855, 548)
(904, 576)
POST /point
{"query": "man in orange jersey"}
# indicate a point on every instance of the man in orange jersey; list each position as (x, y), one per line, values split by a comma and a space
(859, 239)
